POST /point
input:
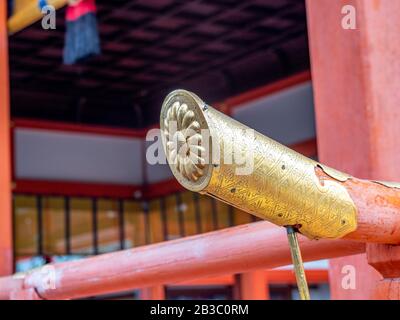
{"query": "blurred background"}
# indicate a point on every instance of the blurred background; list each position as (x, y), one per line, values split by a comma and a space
(81, 182)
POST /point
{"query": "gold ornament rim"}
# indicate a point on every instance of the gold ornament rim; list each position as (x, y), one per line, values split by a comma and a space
(195, 104)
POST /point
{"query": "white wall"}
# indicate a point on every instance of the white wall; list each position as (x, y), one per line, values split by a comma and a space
(65, 156)
(286, 116)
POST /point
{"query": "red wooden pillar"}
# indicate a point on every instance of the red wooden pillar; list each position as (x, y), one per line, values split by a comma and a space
(6, 254)
(356, 76)
(252, 286)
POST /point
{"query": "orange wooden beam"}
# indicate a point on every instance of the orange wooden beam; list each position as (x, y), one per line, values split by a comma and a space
(378, 210)
(253, 286)
(274, 276)
(287, 276)
(238, 249)
(77, 189)
(223, 280)
(6, 247)
(153, 293)
(21, 123)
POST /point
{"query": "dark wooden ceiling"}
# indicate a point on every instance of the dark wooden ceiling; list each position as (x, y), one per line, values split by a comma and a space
(217, 48)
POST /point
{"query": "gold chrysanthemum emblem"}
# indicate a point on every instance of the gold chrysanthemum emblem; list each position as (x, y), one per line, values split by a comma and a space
(184, 141)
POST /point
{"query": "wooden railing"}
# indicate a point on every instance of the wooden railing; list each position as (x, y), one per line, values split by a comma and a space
(237, 249)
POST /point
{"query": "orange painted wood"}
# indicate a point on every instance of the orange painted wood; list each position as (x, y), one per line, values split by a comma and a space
(6, 254)
(387, 289)
(355, 77)
(274, 276)
(80, 189)
(162, 188)
(223, 280)
(288, 276)
(153, 293)
(238, 249)
(253, 286)
(385, 259)
(78, 128)
(378, 210)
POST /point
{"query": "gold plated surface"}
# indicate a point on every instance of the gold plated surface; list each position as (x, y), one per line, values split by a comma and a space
(257, 174)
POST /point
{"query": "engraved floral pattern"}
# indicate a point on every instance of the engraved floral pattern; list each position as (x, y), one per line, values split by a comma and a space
(184, 141)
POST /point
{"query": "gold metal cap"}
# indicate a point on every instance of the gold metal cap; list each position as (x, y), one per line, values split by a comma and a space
(187, 144)
(211, 153)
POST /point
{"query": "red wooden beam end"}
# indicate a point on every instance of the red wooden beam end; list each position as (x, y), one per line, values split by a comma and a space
(378, 210)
